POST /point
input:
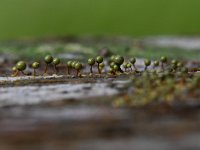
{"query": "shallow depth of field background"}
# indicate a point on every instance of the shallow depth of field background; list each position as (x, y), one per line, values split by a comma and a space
(35, 18)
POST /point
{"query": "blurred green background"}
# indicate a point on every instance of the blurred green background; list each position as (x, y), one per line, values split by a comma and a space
(35, 18)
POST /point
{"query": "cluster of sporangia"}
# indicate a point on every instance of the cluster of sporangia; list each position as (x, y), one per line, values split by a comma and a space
(116, 64)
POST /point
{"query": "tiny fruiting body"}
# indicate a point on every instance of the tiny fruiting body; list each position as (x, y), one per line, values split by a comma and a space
(73, 64)
(48, 60)
(91, 62)
(69, 66)
(99, 60)
(112, 58)
(101, 66)
(35, 65)
(78, 67)
(133, 61)
(156, 63)
(147, 63)
(115, 68)
(125, 66)
(14, 71)
(14, 68)
(56, 62)
(119, 60)
(163, 60)
(174, 62)
(129, 66)
(112, 64)
(21, 66)
(112, 71)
